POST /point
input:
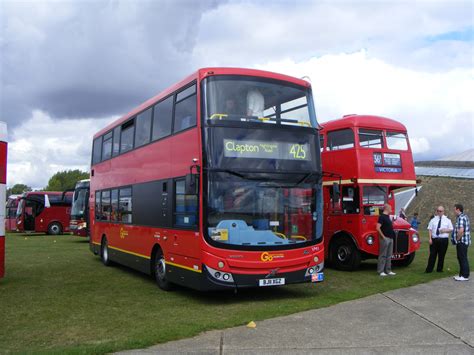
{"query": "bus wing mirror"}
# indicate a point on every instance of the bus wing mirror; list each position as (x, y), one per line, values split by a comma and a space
(191, 184)
(336, 194)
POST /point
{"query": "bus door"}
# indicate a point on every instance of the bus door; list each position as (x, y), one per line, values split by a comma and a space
(29, 214)
(343, 209)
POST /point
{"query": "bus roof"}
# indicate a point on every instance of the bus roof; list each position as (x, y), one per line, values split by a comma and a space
(199, 75)
(366, 121)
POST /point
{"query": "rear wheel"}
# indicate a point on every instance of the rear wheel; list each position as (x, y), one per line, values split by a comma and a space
(159, 271)
(104, 252)
(344, 254)
(405, 262)
(55, 228)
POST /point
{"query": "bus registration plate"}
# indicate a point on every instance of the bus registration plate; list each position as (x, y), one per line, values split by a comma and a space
(271, 282)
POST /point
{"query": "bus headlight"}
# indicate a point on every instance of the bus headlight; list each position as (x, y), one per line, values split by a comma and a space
(370, 239)
(220, 275)
(415, 238)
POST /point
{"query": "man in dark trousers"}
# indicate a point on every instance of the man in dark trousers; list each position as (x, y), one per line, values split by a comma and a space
(462, 239)
(386, 235)
(438, 229)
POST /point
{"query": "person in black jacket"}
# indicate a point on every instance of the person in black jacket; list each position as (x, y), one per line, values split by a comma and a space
(386, 235)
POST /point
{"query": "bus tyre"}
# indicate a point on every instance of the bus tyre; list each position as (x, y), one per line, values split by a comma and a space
(405, 262)
(159, 271)
(55, 228)
(104, 252)
(344, 254)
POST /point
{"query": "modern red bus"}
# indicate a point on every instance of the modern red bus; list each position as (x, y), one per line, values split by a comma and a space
(213, 184)
(3, 190)
(10, 213)
(79, 223)
(44, 212)
(369, 157)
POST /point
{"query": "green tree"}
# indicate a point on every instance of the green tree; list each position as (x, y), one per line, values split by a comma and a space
(17, 189)
(64, 180)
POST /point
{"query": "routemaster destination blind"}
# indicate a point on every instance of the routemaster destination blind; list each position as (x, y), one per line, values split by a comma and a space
(266, 150)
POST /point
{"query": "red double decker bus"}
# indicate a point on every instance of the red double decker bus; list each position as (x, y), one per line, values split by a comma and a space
(10, 212)
(79, 223)
(366, 158)
(213, 184)
(44, 212)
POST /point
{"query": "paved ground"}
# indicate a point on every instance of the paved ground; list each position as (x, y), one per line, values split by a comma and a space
(433, 318)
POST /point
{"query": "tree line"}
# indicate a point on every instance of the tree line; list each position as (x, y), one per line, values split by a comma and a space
(62, 180)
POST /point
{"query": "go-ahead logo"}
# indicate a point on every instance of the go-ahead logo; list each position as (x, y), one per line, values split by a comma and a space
(266, 256)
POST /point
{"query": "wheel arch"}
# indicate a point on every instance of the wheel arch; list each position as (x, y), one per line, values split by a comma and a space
(157, 247)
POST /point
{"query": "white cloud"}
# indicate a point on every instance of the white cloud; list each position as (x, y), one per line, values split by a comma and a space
(41, 146)
(432, 105)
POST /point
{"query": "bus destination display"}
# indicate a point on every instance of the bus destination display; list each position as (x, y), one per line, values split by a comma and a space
(234, 148)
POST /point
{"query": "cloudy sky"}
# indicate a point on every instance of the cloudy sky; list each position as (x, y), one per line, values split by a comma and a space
(67, 68)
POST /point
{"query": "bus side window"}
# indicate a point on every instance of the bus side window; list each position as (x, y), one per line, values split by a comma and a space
(143, 129)
(125, 205)
(126, 136)
(185, 206)
(350, 200)
(97, 205)
(185, 109)
(97, 150)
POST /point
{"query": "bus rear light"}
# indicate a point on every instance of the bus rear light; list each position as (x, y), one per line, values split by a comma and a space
(226, 277)
(316, 259)
(220, 264)
(415, 238)
(370, 239)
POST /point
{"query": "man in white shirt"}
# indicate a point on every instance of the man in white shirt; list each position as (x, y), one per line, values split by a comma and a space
(438, 229)
(255, 103)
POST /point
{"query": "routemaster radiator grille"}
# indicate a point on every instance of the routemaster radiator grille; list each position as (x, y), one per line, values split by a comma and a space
(401, 242)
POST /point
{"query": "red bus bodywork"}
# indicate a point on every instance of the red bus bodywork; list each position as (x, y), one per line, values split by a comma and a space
(10, 213)
(188, 256)
(79, 223)
(369, 157)
(44, 212)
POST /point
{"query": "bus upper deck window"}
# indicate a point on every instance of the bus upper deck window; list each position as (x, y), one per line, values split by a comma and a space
(397, 140)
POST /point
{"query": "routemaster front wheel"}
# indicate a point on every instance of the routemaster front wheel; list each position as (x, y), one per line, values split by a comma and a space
(344, 254)
(159, 270)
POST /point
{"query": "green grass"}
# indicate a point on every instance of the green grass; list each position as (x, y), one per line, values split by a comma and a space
(58, 297)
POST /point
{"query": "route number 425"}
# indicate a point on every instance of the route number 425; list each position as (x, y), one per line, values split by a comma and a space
(297, 151)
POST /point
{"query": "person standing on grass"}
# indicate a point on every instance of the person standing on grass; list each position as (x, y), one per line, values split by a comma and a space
(438, 230)
(462, 239)
(386, 235)
(415, 222)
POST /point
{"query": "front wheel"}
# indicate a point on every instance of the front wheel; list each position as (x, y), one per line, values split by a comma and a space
(405, 262)
(344, 254)
(159, 271)
(55, 228)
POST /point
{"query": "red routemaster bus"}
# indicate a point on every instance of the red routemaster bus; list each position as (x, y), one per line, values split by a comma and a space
(79, 223)
(367, 158)
(10, 213)
(44, 212)
(213, 184)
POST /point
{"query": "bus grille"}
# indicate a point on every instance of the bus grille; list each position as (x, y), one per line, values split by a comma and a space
(401, 243)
